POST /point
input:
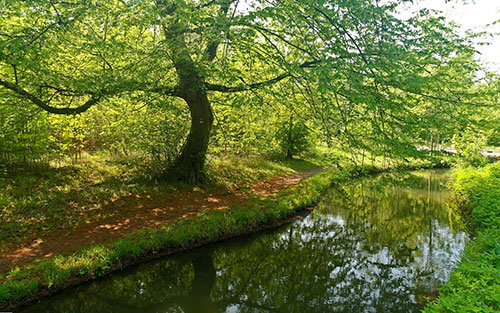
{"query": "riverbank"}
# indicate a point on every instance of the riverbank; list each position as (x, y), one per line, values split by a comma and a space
(52, 274)
(141, 212)
(474, 286)
(255, 211)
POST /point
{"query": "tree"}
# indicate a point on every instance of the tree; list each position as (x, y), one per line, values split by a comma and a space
(356, 56)
(294, 137)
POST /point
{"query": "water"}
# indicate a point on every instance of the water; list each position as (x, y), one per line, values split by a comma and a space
(382, 244)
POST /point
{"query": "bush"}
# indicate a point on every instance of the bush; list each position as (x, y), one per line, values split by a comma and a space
(468, 146)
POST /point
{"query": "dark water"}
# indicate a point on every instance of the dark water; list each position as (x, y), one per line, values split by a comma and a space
(382, 244)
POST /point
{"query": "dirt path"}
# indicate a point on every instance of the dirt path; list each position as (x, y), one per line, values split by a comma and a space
(139, 213)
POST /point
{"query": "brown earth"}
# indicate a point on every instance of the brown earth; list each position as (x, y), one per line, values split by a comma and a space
(138, 212)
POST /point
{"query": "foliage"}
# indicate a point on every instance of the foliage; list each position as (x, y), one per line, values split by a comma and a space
(474, 286)
(294, 138)
(469, 145)
(364, 79)
(23, 135)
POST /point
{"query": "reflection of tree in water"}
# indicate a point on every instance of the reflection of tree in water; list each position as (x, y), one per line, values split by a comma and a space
(381, 251)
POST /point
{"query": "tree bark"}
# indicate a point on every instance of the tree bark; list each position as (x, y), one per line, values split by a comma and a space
(191, 160)
(191, 87)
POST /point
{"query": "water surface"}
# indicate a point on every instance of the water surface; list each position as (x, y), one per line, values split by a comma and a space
(378, 244)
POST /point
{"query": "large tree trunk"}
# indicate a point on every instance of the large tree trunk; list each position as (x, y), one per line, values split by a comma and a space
(189, 165)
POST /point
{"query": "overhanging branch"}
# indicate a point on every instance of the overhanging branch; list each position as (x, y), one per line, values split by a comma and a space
(222, 88)
(43, 105)
(429, 96)
(230, 89)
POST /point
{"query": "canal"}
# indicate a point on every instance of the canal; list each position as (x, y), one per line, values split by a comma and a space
(384, 243)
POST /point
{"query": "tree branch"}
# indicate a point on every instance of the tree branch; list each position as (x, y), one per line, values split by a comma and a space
(230, 89)
(447, 100)
(211, 49)
(282, 38)
(43, 105)
(222, 88)
(341, 29)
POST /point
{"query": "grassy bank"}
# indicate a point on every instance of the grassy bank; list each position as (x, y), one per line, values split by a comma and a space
(474, 286)
(54, 273)
(37, 200)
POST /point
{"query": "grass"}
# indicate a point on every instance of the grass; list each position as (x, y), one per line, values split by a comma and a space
(59, 271)
(35, 201)
(235, 171)
(474, 286)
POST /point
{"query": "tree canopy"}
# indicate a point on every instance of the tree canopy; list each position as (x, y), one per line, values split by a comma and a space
(351, 71)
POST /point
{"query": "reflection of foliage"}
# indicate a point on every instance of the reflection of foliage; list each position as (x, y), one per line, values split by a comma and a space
(387, 203)
(346, 257)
